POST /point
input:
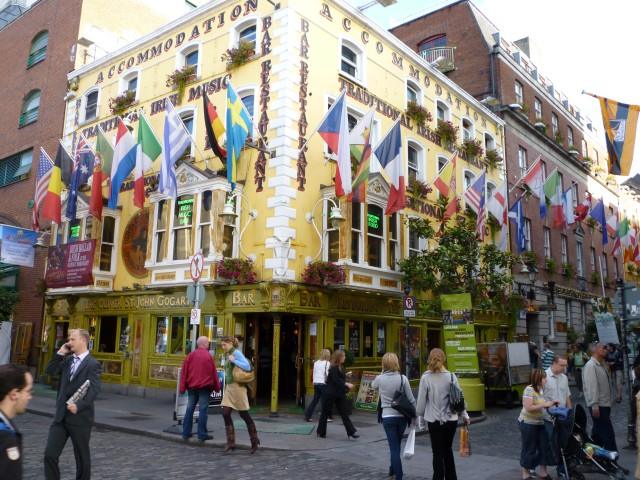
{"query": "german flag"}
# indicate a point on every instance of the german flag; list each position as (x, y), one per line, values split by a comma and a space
(215, 128)
(51, 204)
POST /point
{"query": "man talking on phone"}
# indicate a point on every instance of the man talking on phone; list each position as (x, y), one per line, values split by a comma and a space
(75, 365)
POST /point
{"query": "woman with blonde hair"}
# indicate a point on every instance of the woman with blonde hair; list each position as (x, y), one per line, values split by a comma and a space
(435, 409)
(335, 392)
(394, 423)
(320, 372)
(235, 394)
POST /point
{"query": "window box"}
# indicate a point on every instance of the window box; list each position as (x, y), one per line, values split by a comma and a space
(179, 79)
(118, 105)
(492, 159)
(418, 113)
(323, 273)
(472, 148)
(419, 189)
(237, 56)
(447, 132)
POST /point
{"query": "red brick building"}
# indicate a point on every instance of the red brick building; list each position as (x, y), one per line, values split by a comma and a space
(539, 120)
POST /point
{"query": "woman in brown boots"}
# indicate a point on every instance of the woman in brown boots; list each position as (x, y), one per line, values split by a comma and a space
(235, 395)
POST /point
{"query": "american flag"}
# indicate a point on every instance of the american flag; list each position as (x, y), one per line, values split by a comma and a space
(475, 198)
(42, 184)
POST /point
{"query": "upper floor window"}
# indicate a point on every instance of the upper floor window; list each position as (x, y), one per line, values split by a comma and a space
(537, 107)
(415, 163)
(579, 259)
(527, 235)
(592, 258)
(547, 242)
(564, 248)
(375, 235)
(544, 169)
(416, 243)
(38, 51)
(490, 189)
(414, 94)
(162, 224)
(585, 151)
(351, 60)
(468, 179)
(435, 41)
(30, 108)
(442, 161)
(382, 248)
(248, 99)
(554, 124)
(519, 92)
(443, 112)
(605, 267)
(188, 118)
(182, 227)
(90, 104)
(570, 136)
(333, 234)
(467, 130)
(107, 243)
(248, 34)
(15, 168)
(489, 142)
(574, 191)
(130, 83)
(189, 57)
(522, 160)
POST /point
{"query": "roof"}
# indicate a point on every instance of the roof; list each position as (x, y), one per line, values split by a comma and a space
(10, 13)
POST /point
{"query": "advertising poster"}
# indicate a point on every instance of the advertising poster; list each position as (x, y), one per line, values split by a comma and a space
(460, 348)
(215, 399)
(414, 351)
(456, 308)
(494, 364)
(16, 245)
(367, 398)
(606, 326)
(70, 265)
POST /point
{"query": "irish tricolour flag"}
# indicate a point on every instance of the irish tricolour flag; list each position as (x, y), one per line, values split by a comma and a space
(148, 150)
(124, 160)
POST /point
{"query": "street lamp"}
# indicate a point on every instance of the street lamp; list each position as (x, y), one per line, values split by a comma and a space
(335, 217)
(229, 215)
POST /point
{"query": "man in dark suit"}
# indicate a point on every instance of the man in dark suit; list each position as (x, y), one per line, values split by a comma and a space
(74, 364)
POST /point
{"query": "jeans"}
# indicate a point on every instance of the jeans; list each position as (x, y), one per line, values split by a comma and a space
(201, 397)
(317, 395)
(535, 446)
(602, 433)
(444, 466)
(394, 428)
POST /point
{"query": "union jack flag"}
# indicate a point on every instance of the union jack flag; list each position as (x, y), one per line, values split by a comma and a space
(45, 166)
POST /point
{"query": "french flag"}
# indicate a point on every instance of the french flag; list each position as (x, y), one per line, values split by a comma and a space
(124, 161)
(334, 130)
(389, 155)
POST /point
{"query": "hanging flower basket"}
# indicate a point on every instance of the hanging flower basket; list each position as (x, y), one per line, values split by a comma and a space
(323, 273)
(492, 159)
(237, 56)
(118, 105)
(472, 148)
(237, 271)
(447, 132)
(418, 113)
(419, 189)
(179, 79)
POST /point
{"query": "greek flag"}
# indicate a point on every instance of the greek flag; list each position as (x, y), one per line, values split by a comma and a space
(176, 141)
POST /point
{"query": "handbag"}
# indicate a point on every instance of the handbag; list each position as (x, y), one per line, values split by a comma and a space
(242, 376)
(409, 447)
(402, 403)
(456, 398)
(465, 446)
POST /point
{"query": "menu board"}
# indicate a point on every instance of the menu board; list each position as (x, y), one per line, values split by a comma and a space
(460, 348)
(367, 398)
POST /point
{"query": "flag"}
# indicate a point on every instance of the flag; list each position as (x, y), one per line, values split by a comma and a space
(497, 206)
(67, 166)
(45, 167)
(443, 179)
(534, 179)
(360, 148)
(553, 191)
(334, 130)
(239, 127)
(214, 127)
(475, 197)
(104, 150)
(567, 207)
(515, 214)
(612, 225)
(95, 203)
(51, 204)
(83, 167)
(622, 236)
(597, 213)
(176, 141)
(582, 210)
(620, 122)
(147, 151)
(389, 155)
(124, 160)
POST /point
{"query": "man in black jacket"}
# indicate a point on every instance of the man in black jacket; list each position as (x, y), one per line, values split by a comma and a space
(74, 364)
(15, 392)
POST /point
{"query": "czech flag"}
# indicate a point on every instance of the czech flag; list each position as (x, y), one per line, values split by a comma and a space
(334, 130)
(124, 161)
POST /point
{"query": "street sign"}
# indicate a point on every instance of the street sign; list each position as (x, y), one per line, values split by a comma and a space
(409, 306)
(191, 293)
(195, 316)
(196, 266)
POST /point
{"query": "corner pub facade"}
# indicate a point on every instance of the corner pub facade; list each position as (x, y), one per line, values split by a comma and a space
(137, 310)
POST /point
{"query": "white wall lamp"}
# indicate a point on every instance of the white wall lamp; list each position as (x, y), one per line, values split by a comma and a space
(229, 215)
(335, 217)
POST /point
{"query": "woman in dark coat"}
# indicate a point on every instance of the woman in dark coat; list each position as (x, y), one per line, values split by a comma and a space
(335, 392)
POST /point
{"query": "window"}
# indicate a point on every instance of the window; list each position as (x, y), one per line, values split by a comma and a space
(468, 179)
(338, 335)
(579, 259)
(522, 160)
(188, 117)
(132, 84)
(467, 130)
(91, 105)
(537, 107)
(561, 181)
(567, 311)
(170, 335)
(605, 267)
(592, 257)
(111, 334)
(413, 94)
(191, 58)
(519, 93)
(30, 108)
(38, 50)
(583, 313)
(350, 61)
(364, 338)
(435, 41)
(248, 101)
(162, 219)
(527, 234)
(564, 246)
(205, 223)
(356, 231)
(442, 161)
(575, 193)
(616, 272)
(547, 242)
(554, 124)
(544, 169)
(333, 234)
(393, 249)
(15, 168)
(107, 243)
(489, 142)
(375, 235)
(490, 189)
(182, 226)
(248, 34)
(414, 163)
(570, 136)
(442, 111)
(416, 243)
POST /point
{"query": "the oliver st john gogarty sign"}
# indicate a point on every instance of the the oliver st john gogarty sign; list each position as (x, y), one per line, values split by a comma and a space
(134, 302)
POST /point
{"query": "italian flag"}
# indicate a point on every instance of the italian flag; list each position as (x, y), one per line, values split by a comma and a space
(553, 191)
(147, 151)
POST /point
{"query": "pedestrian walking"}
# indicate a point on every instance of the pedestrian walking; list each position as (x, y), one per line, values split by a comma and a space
(388, 383)
(335, 393)
(535, 443)
(616, 367)
(75, 365)
(434, 408)
(597, 395)
(235, 395)
(557, 391)
(16, 384)
(199, 378)
(547, 355)
(579, 358)
(320, 372)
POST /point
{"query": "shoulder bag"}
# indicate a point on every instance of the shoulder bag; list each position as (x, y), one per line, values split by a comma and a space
(402, 403)
(456, 397)
(242, 376)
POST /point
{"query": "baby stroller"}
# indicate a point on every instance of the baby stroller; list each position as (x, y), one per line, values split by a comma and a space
(578, 454)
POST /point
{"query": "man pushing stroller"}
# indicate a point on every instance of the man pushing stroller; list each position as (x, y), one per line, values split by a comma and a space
(557, 390)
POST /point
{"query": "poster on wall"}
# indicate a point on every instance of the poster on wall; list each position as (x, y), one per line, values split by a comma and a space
(606, 326)
(459, 333)
(414, 351)
(16, 245)
(367, 398)
(70, 265)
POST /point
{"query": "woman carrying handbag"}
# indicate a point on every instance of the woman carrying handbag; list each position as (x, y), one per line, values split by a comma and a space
(320, 372)
(335, 392)
(393, 421)
(235, 393)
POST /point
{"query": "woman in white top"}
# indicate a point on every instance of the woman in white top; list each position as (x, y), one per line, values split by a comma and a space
(320, 370)
(433, 407)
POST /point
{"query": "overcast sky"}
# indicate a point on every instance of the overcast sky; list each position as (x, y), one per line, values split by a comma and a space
(578, 44)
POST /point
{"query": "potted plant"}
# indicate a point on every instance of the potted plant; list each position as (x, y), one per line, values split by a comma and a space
(419, 189)
(492, 159)
(237, 56)
(529, 258)
(540, 125)
(549, 264)
(237, 270)
(568, 270)
(472, 148)
(324, 273)
(559, 138)
(573, 151)
(587, 161)
(179, 79)
(595, 278)
(447, 132)
(118, 105)
(418, 113)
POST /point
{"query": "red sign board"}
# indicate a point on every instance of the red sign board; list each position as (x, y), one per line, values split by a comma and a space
(70, 265)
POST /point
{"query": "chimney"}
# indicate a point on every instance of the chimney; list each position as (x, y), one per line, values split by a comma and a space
(524, 45)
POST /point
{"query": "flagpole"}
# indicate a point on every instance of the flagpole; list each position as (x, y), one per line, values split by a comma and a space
(252, 145)
(601, 277)
(321, 121)
(539, 158)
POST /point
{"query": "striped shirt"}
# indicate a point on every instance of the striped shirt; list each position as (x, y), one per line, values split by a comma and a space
(547, 358)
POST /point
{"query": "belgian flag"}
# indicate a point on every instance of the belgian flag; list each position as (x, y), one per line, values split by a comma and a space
(215, 128)
(51, 204)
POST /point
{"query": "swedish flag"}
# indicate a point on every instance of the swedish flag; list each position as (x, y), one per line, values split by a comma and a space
(239, 127)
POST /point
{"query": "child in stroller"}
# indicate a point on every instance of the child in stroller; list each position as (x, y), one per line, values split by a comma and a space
(577, 454)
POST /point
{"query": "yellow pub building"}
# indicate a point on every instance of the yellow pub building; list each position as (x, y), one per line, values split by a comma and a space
(305, 53)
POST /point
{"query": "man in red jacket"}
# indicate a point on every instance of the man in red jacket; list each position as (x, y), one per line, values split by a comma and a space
(199, 377)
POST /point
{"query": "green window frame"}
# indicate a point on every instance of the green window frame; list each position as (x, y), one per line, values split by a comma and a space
(38, 51)
(365, 338)
(109, 334)
(171, 333)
